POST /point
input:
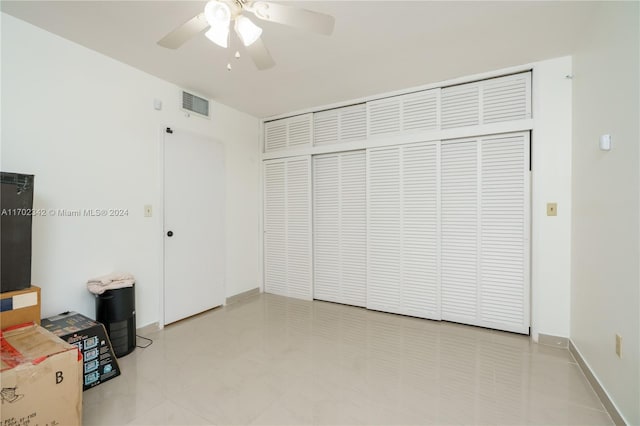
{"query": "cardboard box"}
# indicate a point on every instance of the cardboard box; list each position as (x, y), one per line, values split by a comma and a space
(99, 361)
(40, 378)
(19, 307)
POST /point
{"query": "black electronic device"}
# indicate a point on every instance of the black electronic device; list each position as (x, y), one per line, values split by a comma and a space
(16, 207)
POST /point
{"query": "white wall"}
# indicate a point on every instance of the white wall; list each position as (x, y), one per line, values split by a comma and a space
(605, 290)
(551, 182)
(84, 124)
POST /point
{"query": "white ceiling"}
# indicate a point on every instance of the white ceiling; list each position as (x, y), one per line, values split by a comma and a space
(377, 46)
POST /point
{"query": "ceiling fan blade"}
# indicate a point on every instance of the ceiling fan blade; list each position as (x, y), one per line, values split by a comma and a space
(184, 32)
(299, 18)
(260, 55)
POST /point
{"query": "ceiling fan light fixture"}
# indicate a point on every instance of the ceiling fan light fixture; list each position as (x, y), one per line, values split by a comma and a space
(218, 16)
(217, 12)
(247, 30)
(261, 10)
(219, 35)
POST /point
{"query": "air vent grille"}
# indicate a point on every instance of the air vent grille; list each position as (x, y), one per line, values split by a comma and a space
(193, 103)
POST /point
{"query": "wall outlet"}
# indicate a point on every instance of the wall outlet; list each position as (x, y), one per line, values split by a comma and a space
(619, 345)
(148, 210)
(552, 209)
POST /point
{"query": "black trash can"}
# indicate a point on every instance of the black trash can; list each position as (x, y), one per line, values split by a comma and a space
(116, 309)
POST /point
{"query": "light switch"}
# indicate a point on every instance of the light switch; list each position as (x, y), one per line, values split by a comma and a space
(148, 210)
(552, 209)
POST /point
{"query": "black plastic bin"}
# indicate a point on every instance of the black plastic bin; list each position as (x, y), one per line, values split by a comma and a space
(116, 309)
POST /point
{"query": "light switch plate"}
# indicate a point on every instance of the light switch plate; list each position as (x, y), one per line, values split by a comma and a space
(552, 209)
(619, 345)
(148, 210)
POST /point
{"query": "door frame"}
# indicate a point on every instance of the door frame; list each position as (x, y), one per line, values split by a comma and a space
(160, 225)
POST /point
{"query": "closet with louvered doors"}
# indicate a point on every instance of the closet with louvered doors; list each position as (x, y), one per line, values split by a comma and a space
(340, 228)
(403, 221)
(287, 227)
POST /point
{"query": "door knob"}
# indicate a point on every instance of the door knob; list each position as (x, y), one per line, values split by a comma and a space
(170, 234)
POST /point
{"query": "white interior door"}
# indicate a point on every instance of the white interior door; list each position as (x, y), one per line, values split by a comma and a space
(194, 206)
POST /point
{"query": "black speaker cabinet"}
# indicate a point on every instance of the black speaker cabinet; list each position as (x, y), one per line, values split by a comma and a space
(16, 206)
(116, 309)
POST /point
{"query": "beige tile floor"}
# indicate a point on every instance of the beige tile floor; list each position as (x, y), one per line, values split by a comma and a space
(271, 360)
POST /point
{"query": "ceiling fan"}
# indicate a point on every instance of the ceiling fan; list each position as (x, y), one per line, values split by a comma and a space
(218, 15)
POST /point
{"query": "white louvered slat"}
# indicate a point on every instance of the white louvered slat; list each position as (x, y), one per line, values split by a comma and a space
(485, 102)
(353, 228)
(420, 111)
(275, 247)
(420, 283)
(383, 229)
(413, 112)
(299, 130)
(384, 116)
(353, 123)
(340, 228)
(503, 260)
(275, 135)
(287, 227)
(326, 220)
(289, 132)
(325, 127)
(495, 100)
(459, 231)
(460, 106)
(403, 230)
(506, 98)
(298, 207)
(340, 125)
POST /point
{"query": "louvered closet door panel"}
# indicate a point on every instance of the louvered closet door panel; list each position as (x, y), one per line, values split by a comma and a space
(420, 111)
(384, 116)
(353, 123)
(275, 246)
(507, 98)
(420, 286)
(325, 127)
(460, 106)
(299, 130)
(459, 231)
(384, 229)
(326, 224)
(275, 135)
(340, 231)
(353, 228)
(340, 125)
(504, 256)
(298, 225)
